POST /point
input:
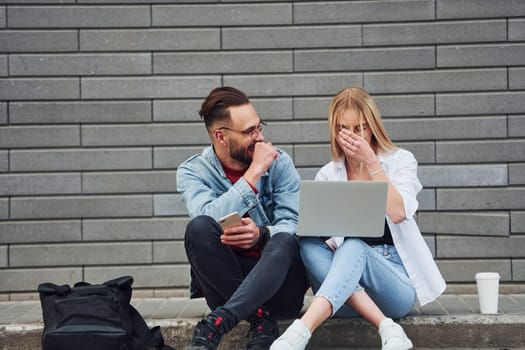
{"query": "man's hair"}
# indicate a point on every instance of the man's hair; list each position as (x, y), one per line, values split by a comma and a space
(215, 106)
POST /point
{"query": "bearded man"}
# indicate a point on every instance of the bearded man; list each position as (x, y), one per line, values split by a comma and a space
(251, 271)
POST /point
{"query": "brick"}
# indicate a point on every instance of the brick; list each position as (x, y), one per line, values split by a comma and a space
(223, 62)
(81, 159)
(270, 109)
(3, 113)
(40, 231)
(291, 85)
(465, 270)
(169, 252)
(427, 199)
(32, 184)
(517, 125)
(407, 105)
(134, 135)
(168, 204)
(311, 107)
(38, 40)
(221, 15)
(145, 276)
(480, 103)
(81, 207)
(451, 128)
(479, 9)
(362, 11)
(84, 112)
(307, 173)
(291, 37)
(463, 175)
(129, 182)
(298, 132)
(4, 161)
(517, 78)
(475, 224)
(80, 64)
(142, 1)
(2, 17)
(148, 87)
(4, 208)
(517, 221)
(481, 247)
(423, 151)
(311, 155)
(149, 39)
(364, 59)
(78, 16)
(176, 110)
(3, 66)
(14, 280)
(434, 32)
(481, 199)
(80, 254)
(134, 229)
(516, 29)
(171, 157)
(3, 256)
(38, 1)
(188, 110)
(480, 151)
(39, 89)
(436, 81)
(518, 268)
(39, 136)
(480, 55)
(517, 174)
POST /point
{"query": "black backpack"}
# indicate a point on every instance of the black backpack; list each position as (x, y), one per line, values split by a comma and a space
(88, 317)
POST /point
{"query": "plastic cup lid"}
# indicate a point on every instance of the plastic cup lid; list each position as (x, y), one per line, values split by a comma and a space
(487, 275)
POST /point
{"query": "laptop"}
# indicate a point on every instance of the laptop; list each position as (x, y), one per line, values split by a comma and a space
(342, 208)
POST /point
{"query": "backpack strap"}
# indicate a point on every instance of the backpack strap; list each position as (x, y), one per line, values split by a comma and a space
(144, 337)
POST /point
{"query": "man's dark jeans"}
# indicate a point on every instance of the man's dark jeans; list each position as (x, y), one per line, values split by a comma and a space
(241, 284)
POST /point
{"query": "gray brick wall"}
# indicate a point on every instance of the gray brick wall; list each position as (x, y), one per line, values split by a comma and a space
(99, 101)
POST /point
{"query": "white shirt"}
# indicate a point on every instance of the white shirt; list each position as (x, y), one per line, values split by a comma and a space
(400, 167)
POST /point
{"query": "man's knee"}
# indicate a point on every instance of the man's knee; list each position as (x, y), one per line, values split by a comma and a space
(283, 242)
(200, 230)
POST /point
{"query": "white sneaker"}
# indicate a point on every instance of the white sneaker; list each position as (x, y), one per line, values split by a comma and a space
(294, 338)
(393, 336)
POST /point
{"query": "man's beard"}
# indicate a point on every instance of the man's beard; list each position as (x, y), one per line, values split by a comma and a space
(241, 154)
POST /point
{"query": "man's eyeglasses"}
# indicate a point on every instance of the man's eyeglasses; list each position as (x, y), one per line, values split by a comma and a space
(359, 128)
(253, 132)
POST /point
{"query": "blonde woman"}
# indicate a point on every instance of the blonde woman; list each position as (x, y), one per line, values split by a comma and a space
(380, 278)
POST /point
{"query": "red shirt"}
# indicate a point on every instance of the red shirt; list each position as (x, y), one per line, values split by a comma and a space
(234, 176)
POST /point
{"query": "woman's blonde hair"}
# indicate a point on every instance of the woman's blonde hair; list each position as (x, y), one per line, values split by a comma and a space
(361, 102)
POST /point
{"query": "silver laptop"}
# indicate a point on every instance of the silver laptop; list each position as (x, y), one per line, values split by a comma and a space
(342, 208)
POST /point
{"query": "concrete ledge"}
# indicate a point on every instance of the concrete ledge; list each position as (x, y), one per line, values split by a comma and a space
(432, 332)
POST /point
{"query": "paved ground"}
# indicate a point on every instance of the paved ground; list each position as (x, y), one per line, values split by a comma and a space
(452, 321)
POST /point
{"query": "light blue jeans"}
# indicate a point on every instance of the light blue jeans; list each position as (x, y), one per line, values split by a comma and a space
(355, 266)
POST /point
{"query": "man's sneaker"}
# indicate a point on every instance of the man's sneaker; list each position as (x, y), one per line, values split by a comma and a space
(207, 334)
(393, 336)
(263, 330)
(294, 338)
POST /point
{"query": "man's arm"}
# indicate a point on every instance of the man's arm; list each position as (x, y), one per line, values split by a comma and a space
(203, 198)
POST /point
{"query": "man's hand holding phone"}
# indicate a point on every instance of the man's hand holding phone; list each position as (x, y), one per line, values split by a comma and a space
(239, 232)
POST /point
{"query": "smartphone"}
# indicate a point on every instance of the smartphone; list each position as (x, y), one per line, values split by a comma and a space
(232, 219)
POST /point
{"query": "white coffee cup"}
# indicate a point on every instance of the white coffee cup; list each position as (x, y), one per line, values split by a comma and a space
(488, 291)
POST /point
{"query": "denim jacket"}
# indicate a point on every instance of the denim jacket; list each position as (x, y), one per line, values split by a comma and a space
(206, 190)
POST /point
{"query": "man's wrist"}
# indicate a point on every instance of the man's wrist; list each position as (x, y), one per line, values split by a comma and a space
(264, 235)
